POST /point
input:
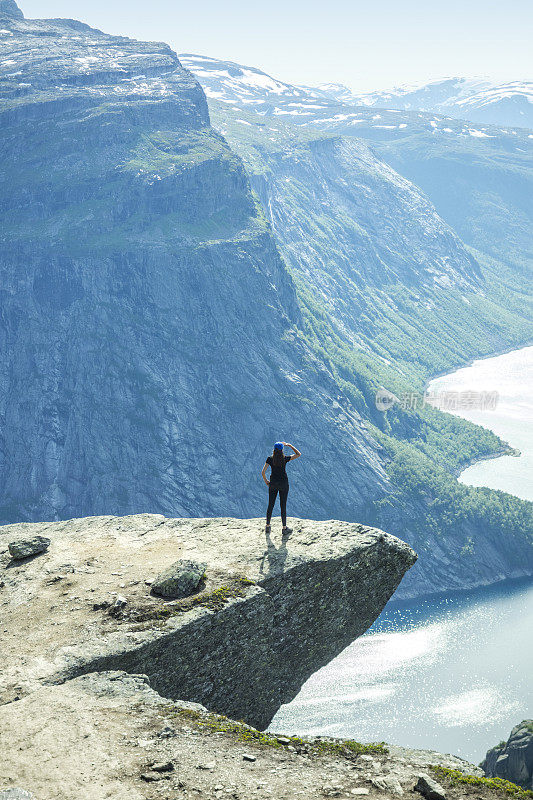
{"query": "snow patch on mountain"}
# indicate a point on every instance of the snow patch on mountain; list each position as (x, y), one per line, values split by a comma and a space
(234, 83)
(478, 99)
(334, 107)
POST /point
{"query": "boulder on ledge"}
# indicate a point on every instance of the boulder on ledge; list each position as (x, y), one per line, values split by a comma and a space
(180, 580)
(24, 548)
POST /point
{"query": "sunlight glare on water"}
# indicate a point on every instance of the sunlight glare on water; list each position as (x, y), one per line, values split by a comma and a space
(475, 707)
(451, 674)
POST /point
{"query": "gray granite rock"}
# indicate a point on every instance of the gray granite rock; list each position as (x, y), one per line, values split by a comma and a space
(513, 759)
(180, 580)
(429, 788)
(24, 548)
(16, 794)
(163, 766)
(288, 606)
(392, 785)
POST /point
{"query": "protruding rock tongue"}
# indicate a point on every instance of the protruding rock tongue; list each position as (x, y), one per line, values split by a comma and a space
(10, 9)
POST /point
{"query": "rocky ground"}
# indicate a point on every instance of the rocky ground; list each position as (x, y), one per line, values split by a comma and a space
(110, 736)
(267, 613)
(270, 611)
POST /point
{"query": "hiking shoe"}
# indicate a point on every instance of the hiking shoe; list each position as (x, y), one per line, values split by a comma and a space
(286, 530)
(267, 528)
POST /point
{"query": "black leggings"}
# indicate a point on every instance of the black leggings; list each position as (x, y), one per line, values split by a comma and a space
(272, 494)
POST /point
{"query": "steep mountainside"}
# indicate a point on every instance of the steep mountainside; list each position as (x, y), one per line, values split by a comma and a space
(478, 176)
(154, 343)
(149, 352)
(390, 273)
(389, 294)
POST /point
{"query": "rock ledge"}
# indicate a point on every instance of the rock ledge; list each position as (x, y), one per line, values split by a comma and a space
(271, 612)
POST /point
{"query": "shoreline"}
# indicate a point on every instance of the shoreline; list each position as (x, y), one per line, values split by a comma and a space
(512, 581)
(506, 449)
(471, 361)
(514, 452)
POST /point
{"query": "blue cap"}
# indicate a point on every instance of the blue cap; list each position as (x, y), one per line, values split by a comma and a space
(278, 446)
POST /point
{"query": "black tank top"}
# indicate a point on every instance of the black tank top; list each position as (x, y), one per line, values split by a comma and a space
(278, 476)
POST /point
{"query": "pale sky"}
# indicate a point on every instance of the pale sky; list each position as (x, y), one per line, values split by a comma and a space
(363, 43)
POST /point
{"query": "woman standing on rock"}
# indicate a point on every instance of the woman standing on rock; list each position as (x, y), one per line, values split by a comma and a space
(278, 482)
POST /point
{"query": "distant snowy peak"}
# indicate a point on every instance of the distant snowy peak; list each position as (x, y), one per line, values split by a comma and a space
(517, 90)
(421, 97)
(234, 83)
(338, 91)
(477, 99)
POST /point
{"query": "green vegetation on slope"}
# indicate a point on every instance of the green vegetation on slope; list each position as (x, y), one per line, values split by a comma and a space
(218, 723)
(389, 316)
(166, 152)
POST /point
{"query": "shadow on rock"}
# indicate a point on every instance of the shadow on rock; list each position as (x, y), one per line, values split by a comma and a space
(275, 556)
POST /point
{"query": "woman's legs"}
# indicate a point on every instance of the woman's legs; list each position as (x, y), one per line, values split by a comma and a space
(272, 494)
(283, 504)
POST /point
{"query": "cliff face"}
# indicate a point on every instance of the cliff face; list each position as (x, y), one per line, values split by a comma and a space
(334, 190)
(152, 341)
(148, 351)
(477, 178)
(270, 613)
(513, 760)
(368, 245)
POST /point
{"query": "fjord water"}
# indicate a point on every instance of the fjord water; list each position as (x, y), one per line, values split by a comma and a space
(451, 674)
(511, 375)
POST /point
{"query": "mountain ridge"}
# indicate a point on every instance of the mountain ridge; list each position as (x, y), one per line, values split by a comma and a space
(508, 104)
(477, 99)
(155, 342)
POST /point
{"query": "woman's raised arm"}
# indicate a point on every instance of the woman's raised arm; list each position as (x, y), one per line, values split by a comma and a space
(297, 453)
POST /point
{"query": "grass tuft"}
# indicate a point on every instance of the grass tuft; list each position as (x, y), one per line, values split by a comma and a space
(244, 733)
(455, 776)
(214, 600)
